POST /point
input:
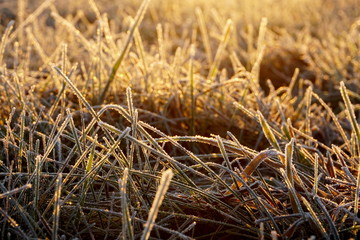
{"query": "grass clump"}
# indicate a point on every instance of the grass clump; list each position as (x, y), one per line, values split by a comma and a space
(179, 119)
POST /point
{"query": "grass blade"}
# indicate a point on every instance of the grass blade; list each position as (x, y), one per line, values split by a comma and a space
(159, 197)
(127, 229)
(138, 18)
(56, 213)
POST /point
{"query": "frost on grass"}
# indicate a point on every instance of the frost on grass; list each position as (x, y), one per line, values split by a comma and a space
(179, 119)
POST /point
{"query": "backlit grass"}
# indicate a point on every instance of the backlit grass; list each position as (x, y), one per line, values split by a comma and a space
(179, 119)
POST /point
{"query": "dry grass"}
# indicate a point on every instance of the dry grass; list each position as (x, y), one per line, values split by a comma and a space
(179, 119)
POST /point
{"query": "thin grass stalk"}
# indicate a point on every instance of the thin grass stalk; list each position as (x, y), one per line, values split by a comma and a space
(15, 191)
(160, 38)
(61, 92)
(50, 146)
(328, 218)
(194, 157)
(189, 228)
(316, 175)
(30, 18)
(161, 150)
(308, 95)
(134, 134)
(20, 91)
(71, 28)
(186, 187)
(89, 166)
(14, 224)
(138, 18)
(100, 58)
(64, 69)
(159, 227)
(293, 193)
(97, 166)
(289, 90)
(255, 162)
(37, 181)
(4, 40)
(227, 161)
(220, 51)
(74, 132)
(192, 90)
(334, 118)
(134, 119)
(255, 70)
(289, 152)
(140, 49)
(54, 128)
(127, 229)
(243, 109)
(314, 218)
(159, 197)
(57, 207)
(16, 206)
(21, 142)
(204, 34)
(356, 202)
(257, 200)
(95, 9)
(350, 110)
(155, 150)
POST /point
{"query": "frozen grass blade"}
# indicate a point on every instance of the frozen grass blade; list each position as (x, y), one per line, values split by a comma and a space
(316, 175)
(76, 91)
(4, 40)
(192, 89)
(220, 51)
(227, 161)
(292, 192)
(289, 153)
(37, 180)
(260, 50)
(334, 118)
(56, 213)
(267, 131)
(98, 164)
(257, 200)
(30, 18)
(314, 144)
(138, 18)
(13, 224)
(22, 143)
(315, 219)
(127, 229)
(15, 191)
(308, 96)
(357, 191)
(159, 197)
(74, 132)
(355, 126)
(140, 49)
(350, 111)
(71, 28)
(51, 144)
(204, 34)
(328, 218)
(254, 163)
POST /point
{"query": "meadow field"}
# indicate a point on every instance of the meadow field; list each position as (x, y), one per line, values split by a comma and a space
(179, 119)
